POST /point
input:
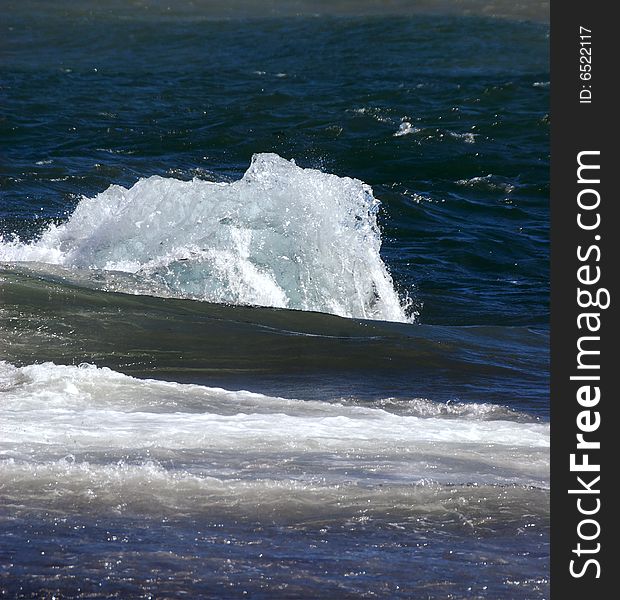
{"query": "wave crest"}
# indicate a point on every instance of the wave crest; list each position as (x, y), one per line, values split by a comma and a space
(281, 236)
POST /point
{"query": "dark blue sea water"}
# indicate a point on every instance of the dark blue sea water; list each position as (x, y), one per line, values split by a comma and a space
(273, 302)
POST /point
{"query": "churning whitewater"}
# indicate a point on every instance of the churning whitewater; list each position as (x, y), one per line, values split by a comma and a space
(224, 376)
(281, 236)
(91, 437)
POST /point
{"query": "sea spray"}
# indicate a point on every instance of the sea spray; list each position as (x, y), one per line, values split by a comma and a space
(281, 236)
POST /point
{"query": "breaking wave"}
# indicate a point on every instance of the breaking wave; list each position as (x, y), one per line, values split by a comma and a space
(282, 236)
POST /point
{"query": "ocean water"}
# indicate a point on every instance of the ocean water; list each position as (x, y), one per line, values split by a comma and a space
(274, 300)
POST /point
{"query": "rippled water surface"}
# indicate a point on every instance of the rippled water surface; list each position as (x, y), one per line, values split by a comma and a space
(273, 301)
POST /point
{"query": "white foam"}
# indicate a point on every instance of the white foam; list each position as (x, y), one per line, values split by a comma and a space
(68, 485)
(91, 439)
(468, 137)
(50, 411)
(405, 128)
(281, 236)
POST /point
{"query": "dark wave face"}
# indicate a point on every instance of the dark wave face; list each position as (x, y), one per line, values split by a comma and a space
(274, 300)
(316, 356)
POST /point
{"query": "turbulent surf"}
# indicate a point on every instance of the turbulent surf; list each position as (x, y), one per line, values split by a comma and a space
(282, 236)
(273, 301)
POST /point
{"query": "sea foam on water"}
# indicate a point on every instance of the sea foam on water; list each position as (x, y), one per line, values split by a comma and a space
(92, 437)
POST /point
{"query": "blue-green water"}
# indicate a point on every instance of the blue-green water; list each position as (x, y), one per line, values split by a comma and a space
(398, 446)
